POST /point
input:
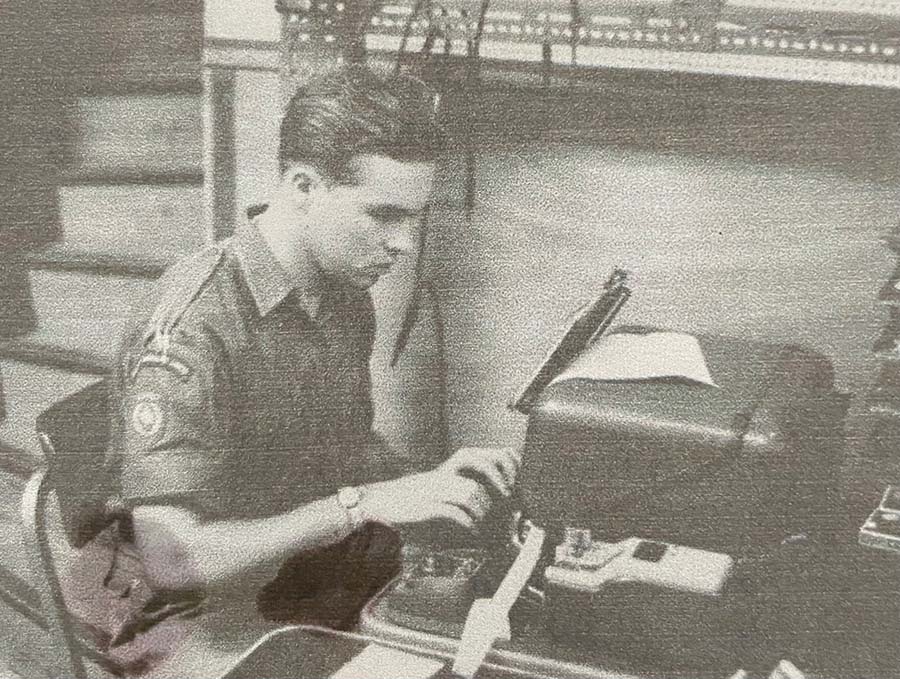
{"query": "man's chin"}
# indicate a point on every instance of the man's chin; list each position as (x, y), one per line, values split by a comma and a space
(362, 280)
(373, 275)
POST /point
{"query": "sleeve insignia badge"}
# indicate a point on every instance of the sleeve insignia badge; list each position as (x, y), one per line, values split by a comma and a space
(147, 415)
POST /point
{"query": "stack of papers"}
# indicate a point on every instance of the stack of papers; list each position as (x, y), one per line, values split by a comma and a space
(641, 356)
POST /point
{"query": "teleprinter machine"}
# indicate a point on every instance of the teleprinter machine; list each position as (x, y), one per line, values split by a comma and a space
(739, 464)
(651, 496)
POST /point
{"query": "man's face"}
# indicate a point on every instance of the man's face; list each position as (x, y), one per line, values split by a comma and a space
(356, 232)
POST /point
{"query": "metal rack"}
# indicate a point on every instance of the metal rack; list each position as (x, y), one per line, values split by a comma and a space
(827, 41)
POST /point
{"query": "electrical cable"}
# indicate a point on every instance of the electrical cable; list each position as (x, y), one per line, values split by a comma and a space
(411, 316)
(422, 287)
(479, 30)
(440, 340)
(576, 23)
(407, 30)
(358, 34)
(430, 36)
(472, 80)
(546, 62)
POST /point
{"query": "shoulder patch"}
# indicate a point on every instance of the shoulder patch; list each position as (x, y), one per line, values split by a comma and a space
(181, 288)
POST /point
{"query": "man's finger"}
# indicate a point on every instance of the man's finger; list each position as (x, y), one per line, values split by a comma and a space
(455, 515)
(486, 466)
(508, 459)
(505, 458)
(501, 460)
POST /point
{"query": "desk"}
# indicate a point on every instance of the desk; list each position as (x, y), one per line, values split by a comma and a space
(530, 651)
(307, 652)
(848, 626)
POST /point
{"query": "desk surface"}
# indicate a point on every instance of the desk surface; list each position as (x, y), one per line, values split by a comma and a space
(847, 627)
(530, 652)
(306, 652)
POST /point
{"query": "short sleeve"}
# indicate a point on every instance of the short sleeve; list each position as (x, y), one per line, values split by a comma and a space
(173, 431)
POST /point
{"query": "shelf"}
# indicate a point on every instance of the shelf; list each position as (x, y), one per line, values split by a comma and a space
(171, 78)
(116, 176)
(62, 257)
(781, 68)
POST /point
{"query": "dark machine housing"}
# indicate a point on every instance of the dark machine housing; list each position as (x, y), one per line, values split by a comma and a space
(730, 468)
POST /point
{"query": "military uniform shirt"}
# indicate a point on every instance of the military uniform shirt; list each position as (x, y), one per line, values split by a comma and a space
(235, 402)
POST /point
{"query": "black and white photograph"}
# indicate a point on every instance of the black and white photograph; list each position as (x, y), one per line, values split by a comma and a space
(431, 339)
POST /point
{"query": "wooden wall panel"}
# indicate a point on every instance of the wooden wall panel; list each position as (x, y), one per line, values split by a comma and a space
(155, 133)
(165, 221)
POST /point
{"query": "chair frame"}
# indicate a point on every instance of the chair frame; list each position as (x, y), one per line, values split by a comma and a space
(67, 652)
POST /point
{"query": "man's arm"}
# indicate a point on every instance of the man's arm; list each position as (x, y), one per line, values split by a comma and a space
(179, 475)
(180, 551)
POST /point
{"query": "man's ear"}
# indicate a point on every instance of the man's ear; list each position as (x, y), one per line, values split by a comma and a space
(302, 183)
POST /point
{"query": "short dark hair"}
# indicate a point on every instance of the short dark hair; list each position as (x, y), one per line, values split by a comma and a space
(352, 111)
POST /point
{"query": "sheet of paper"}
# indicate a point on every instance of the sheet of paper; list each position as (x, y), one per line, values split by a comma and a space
(381, 662)
(634, 356)
(786, 670)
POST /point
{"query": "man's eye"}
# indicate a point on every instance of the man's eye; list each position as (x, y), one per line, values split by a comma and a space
(381, 215)
(388, 215)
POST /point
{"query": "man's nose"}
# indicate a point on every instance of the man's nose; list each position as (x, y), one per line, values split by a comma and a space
(399, 242)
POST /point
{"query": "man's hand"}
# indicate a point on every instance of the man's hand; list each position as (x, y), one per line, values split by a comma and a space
(458, 490)
(497, 466)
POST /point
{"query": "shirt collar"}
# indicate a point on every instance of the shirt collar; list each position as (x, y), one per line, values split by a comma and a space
(268, 282)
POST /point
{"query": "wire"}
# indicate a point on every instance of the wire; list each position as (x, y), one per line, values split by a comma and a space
(412, 310)
(472, 80)
(407, 30)
(430, 36)
(480, 28)
(575, 25)
(546, 62)
(440, 340)
(422, 287)
(357, 36)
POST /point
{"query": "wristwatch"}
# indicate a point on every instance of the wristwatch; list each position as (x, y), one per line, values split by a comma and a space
(349, 498)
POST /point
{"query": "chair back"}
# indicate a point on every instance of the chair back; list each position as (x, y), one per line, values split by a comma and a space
(74, 434)
(65, 654)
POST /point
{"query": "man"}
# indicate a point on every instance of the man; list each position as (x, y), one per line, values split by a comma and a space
(245, 414)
